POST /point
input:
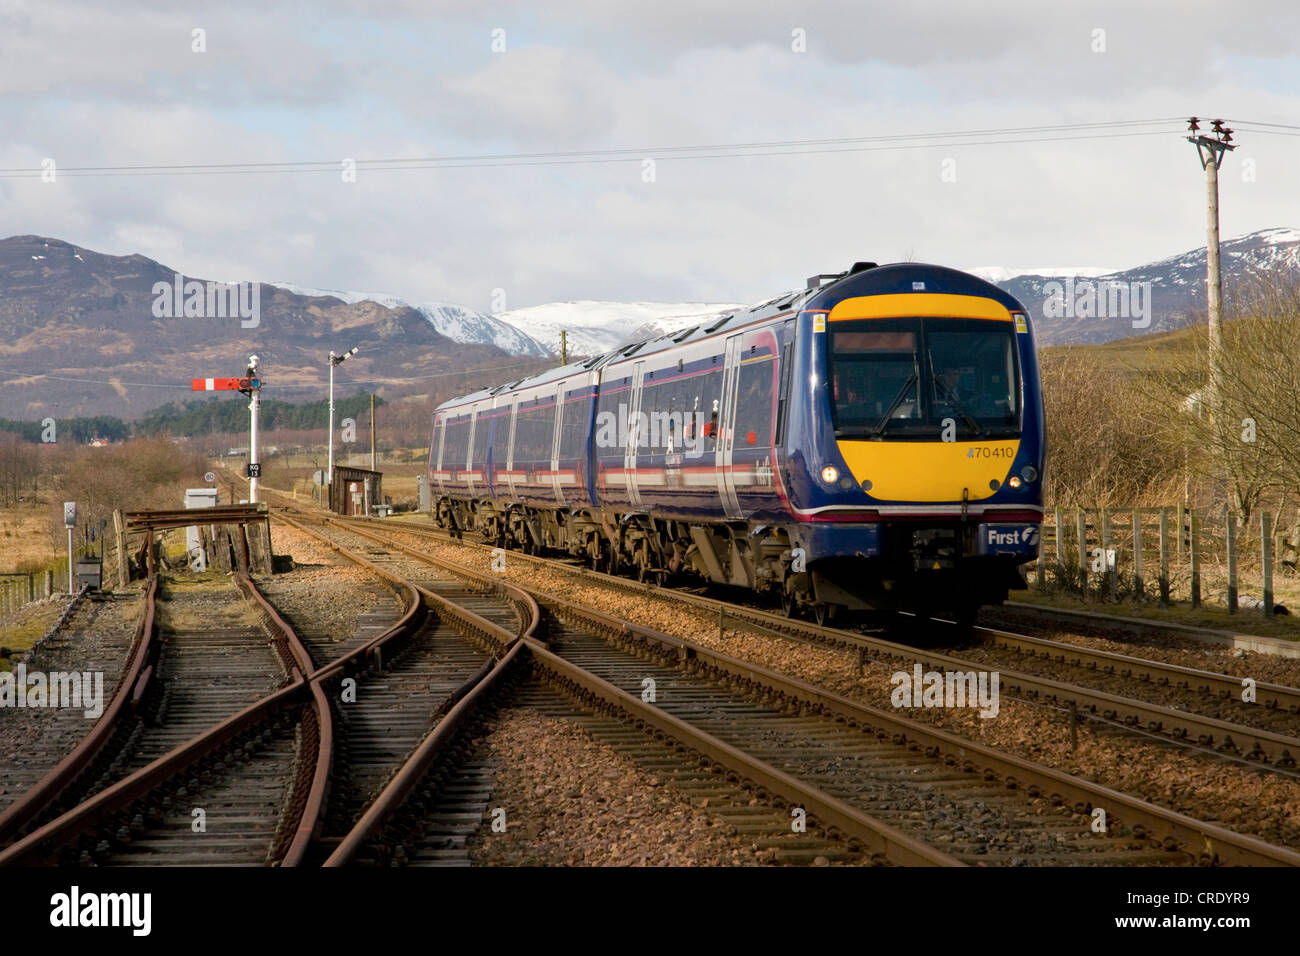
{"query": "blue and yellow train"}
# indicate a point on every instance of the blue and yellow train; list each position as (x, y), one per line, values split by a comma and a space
(874, 441)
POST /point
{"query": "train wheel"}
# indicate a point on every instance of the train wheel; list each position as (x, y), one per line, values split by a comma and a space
(788, 606)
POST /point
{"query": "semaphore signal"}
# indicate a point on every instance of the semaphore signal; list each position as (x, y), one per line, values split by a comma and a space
(250, 385)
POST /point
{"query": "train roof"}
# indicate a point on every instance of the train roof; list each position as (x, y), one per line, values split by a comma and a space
(864, 278)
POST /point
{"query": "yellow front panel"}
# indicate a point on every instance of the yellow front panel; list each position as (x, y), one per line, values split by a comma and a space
(929, 471)
(934, 304)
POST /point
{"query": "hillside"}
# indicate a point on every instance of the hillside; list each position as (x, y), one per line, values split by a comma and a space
(1177, 288)
(79, 337)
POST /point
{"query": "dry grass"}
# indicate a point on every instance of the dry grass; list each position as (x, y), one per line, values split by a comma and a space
(20, 632)
(226, 609)
(25, 543)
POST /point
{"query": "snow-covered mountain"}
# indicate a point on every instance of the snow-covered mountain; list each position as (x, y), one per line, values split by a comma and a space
(1177, 288)
(457, 322)
(595, 327)
(997, 274)
(1177, 295)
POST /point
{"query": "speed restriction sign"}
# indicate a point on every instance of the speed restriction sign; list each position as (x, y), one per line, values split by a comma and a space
(209, 476)
(254, 469)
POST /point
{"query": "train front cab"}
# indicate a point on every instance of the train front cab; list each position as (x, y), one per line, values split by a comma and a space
(918, 479)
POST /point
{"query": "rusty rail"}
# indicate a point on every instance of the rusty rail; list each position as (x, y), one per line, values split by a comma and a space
(1215, 844)
(27, 808)
(45, 844)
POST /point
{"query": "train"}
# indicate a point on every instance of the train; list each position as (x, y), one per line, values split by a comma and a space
(873, 442)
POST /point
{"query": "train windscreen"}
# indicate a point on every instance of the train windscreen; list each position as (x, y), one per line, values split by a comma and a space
(916, 378)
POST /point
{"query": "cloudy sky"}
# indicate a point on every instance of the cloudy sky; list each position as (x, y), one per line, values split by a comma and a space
(122, 85)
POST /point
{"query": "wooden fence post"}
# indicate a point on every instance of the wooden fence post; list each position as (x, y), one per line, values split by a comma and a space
(1060, 548)
(1081, 525)
(1266, 548)
(1230, 539)
(123, 561)
(1164, 557)
(1139, 592)
(49, 582)
(1195, 560)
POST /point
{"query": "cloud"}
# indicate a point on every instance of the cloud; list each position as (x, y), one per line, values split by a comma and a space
(119, 85)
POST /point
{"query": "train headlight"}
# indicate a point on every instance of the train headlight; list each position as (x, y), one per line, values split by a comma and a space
(1014, 481)
(1029, 473)
(830, 474)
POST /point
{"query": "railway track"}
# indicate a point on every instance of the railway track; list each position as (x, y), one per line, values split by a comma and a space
(94, 637)
(898, 790)
(1195, 709)
(400, 689)
(214, 753)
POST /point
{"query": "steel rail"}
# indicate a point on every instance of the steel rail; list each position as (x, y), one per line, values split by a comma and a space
(99, 810)
(1262, 747)
(30, 805)
(1215, 843)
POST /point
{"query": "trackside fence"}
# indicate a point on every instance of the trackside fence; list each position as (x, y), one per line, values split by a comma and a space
(1170, 555)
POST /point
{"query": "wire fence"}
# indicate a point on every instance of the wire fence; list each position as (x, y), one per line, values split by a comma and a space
(20, 588)
(1170, 555)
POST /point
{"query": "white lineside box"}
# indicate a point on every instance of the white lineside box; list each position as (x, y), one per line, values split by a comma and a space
(198, 498)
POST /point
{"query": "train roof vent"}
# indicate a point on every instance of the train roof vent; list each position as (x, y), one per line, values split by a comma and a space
(722, 320)
(863, 267)
(685, 334)
(814, 282)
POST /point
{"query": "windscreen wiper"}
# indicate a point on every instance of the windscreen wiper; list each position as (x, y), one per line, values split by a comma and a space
(956, 403)
(898, 400)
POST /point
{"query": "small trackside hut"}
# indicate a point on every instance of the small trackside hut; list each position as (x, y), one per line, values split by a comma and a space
(356, 491)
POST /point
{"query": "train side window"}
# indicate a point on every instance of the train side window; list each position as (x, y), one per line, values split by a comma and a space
(500, 436)
(754, 404)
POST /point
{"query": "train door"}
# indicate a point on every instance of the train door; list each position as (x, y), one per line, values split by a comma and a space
(555, 444)
(634, 435)
(441, 442)
(469, 450)
(508, 423)
(726, 437)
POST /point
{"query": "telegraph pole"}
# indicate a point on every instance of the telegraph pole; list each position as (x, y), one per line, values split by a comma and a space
(1210, 149)
(564, 347)
(372, 431)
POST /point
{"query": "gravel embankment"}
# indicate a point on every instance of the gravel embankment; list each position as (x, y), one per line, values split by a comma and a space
(333, 604)
(1243, 798)
(572, 802)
